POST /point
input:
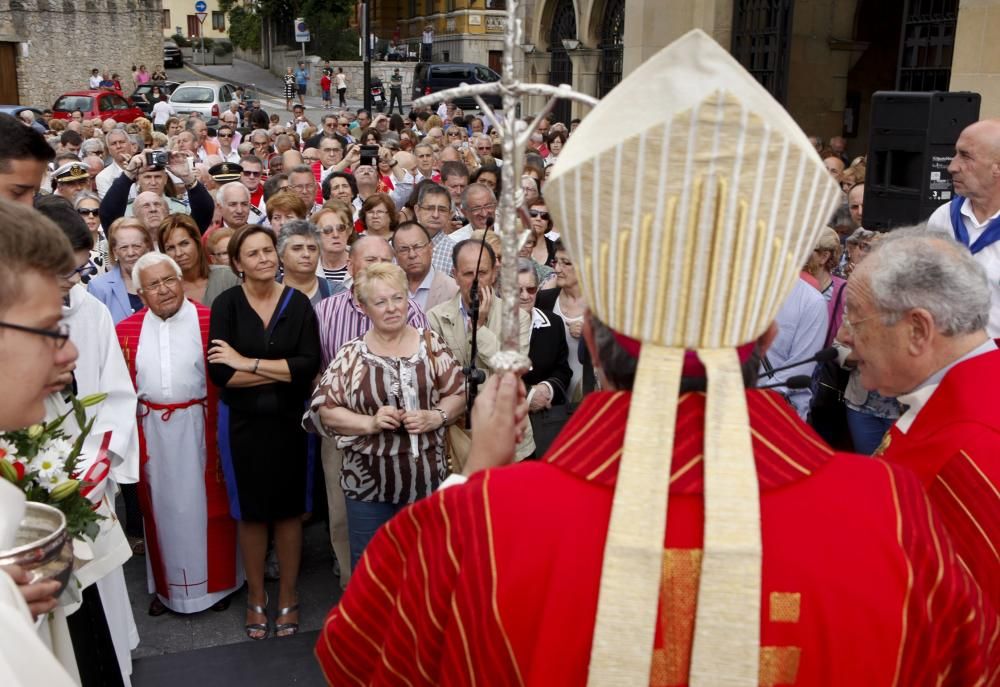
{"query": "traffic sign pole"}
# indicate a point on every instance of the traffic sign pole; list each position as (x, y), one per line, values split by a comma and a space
(201, 9)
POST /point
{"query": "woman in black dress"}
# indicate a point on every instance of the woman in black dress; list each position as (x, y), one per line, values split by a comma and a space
(548, 379)
(290, 88)
(264, 354)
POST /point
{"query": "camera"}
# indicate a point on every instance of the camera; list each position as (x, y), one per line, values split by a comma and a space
(157, 158)
(369, 155)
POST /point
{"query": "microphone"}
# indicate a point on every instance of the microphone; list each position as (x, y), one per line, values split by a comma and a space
(792, 383)
(826, 355)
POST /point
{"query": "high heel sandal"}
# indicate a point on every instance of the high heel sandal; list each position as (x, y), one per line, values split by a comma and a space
(286, 629)
(250, 628)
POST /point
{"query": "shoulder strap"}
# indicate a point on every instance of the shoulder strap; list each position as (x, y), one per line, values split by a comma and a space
(281, 309)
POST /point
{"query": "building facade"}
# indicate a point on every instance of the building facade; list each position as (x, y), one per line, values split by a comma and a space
(823, 59)
(47, 48)
(179, 16)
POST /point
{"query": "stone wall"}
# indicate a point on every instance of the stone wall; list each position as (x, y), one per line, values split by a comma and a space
(62, 40)
(354, 70)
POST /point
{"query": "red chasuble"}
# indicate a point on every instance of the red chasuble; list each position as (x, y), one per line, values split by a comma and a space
(496, 582)
(954, 447)
(221, 541)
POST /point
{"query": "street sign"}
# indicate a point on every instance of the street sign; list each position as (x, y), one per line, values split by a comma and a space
(301, 31)
(200, 6)
(202, 16)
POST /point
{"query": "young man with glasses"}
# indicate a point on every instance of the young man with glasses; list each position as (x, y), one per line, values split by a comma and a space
(433, 211)
(227, 146)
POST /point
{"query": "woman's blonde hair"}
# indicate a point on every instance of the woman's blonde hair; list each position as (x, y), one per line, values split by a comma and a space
(126, 223)
(379, 272)
(829, 240)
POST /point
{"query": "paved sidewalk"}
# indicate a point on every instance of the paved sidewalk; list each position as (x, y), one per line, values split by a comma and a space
(246, 73)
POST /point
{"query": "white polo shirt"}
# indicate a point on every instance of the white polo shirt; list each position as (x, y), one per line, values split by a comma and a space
(988, 257)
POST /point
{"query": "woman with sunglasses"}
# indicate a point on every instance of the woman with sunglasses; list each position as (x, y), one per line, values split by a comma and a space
(88, 204)
(544, 252)
(549, 377)
(335, 222)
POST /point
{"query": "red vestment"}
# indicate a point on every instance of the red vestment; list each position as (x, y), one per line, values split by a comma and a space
(954, 447)
(221, 533)
(496, 582)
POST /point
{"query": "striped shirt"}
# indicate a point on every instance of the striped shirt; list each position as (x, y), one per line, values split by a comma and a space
(341, 320)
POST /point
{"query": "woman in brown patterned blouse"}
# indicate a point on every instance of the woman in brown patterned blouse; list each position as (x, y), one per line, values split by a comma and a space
(386, 399)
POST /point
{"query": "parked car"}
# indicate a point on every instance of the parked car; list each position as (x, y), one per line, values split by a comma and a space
(208, 98)
(16, 110)
(431, 77)
(172, 56)
(140, 96)
(95, 104)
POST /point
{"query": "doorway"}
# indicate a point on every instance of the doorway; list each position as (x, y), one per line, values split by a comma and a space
(8, 74)
(496, 61)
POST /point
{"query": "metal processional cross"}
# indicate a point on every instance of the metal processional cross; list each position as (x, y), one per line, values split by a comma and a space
(515, 139)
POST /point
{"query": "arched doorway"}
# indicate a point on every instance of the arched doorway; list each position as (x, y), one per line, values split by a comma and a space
(561, 68)
(611, 46)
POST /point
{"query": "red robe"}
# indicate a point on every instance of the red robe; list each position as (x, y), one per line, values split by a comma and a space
(221, 541)
(954, 447)
(496, 582)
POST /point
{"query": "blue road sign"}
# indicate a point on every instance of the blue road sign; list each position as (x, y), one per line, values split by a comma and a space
(200, 6)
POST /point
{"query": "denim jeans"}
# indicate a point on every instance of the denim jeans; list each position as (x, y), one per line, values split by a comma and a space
(363, 520)
(867, 430)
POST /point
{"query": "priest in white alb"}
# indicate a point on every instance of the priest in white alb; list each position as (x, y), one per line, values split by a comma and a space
(191, 554)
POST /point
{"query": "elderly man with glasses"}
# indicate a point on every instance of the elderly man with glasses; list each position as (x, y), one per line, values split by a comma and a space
(183, 502)
(915, 319)
(479, 206)
(433, 211)
(426, 285)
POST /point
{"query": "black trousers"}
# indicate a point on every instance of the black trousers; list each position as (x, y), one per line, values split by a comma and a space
(396, 96)
(95, 653)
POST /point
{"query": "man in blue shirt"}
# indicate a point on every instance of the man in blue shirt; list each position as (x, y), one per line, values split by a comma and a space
(301, 81)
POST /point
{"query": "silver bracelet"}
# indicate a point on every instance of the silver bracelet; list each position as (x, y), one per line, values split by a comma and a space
(444, 416)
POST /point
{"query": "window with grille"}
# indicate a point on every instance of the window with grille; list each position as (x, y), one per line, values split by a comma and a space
(761, 36)
(611, 46)
(927, 45)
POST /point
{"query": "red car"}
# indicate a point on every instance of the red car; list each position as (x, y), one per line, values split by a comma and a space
(103, 104)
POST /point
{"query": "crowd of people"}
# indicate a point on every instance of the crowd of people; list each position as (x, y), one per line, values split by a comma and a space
(287, 314)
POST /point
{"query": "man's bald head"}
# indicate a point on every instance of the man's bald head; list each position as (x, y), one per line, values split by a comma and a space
(407, 161)
(368, 250)
(975, 169)
(291, 158)
(150, 209)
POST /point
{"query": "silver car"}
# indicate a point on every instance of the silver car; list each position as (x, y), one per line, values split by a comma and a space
(208, 98)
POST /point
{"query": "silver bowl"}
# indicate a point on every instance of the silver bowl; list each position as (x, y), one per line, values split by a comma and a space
(42, 545)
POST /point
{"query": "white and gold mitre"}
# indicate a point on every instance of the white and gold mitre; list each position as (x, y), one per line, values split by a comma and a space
(689, 219)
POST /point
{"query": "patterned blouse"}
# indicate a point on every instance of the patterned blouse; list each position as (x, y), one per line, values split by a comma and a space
(392, 466)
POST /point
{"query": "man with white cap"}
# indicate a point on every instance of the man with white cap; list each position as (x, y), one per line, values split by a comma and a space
(764, 572)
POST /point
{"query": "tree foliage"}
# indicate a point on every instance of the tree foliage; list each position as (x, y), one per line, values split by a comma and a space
(328, 22)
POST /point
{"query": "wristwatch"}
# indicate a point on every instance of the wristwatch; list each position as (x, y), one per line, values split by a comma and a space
(444, 416)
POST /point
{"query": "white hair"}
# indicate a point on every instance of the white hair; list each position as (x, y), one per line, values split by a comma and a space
(220, 194)
(148, 260)
(916, 268)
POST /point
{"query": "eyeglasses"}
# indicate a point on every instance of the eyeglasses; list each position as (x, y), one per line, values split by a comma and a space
(339, 228)
(436, 209)
(481, 208)
(222, 135)
(303, 188)
(332, 150)
(851, 325)
(60, 334)
(414, 249)
(248, 173)
(93, 212)
(530, 290)
(84, 270)
(167, 282)
(377, 212)
(454, 133)
(539, 213)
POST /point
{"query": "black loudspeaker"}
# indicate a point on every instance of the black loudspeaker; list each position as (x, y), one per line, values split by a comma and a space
(911, 144)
